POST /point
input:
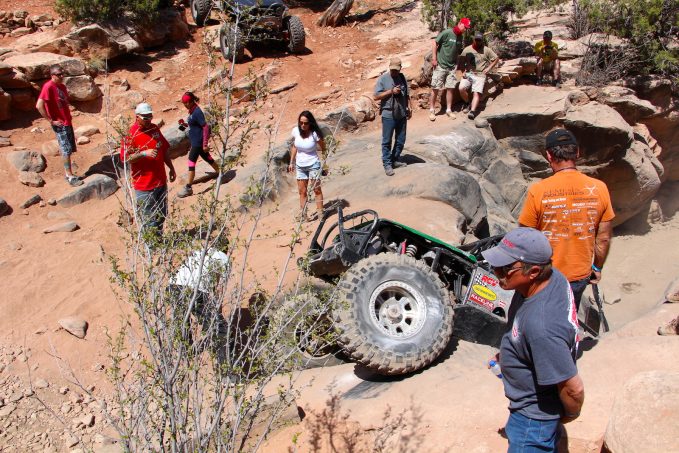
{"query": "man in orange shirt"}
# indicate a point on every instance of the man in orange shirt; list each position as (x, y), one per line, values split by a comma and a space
(574, 212)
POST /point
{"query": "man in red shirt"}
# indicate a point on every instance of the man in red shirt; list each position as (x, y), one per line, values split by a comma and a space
(53, 106)
(146, 151)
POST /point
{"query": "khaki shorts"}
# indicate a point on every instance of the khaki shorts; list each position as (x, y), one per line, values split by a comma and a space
(548, 66)
(477, 82)
(443, 78)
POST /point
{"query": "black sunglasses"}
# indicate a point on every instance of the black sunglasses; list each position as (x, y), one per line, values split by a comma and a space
(505, 271)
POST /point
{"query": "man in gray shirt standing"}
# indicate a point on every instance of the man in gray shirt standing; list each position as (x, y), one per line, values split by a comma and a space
(538, 351)
(396, 109)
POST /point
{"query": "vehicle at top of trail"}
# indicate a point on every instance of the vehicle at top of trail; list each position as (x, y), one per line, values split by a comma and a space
(394, 293)
(251, 20)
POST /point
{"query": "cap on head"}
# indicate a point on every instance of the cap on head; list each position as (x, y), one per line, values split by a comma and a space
(143, 109)
(186, 97)
(524, 244)
(560, 137)
(478, 37)
(547, 35)
(466, 22)
(395, 63)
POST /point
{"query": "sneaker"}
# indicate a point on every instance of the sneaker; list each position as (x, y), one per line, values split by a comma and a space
(398, 164)
(466, 108)
(556, 83)
(671, 328)
(432, 115)
(450, 114)
(538, 82)
(471, 115)
(74, 181)
(185, 192)
(389, 171)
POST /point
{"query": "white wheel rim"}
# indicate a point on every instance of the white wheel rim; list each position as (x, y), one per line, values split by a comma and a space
(397, 309)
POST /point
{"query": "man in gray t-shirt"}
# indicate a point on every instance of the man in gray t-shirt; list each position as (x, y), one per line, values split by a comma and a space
(537, 353)
(396, 109)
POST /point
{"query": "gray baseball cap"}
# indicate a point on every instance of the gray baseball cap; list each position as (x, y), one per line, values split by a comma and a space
(524, 244)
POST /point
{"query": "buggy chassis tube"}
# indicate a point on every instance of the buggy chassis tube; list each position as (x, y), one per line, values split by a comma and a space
(317, 247)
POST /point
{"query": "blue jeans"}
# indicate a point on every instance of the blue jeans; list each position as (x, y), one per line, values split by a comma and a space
(527, 435)
(578, 287)
(152, 206)
(390, 128)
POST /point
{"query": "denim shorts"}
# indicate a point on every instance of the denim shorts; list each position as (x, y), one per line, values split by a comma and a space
(310, 172)
(66, 139)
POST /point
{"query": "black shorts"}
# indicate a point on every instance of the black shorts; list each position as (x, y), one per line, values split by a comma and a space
(196, 151)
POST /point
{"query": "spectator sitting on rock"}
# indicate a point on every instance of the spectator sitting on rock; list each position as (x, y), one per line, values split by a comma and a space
(547, 53)
(446, 48)
(484, 59)
(146, 151)
(53, 106)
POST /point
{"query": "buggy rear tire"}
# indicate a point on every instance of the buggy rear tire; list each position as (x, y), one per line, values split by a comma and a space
(306, 332)
(231, 42)
(393, 314)
(297, 42)
(200, 11)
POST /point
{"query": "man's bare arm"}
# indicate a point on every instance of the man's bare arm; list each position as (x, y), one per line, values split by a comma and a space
(572, 396)
(602, 244)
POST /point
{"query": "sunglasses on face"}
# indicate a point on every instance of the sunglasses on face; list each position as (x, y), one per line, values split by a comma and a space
(303, 122)
(506, 271)
(58, 74)
(145, 117)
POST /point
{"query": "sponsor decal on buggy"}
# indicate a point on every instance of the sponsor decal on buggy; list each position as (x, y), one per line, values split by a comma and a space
(484, 291)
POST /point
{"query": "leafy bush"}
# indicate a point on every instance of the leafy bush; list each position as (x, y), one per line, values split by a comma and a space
(649, 26)
(101, 10)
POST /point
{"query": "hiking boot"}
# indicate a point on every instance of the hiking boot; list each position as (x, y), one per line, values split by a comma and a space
(432, 115)
(398, 164)
(466, 108)
(556, 83)
(389, 171)
(471, 115)
(671, 328)
(538, 82)
(74, 181)
(185, 192)
(450, 114)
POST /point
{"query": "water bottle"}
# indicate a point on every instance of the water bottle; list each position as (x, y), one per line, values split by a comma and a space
(495, 368)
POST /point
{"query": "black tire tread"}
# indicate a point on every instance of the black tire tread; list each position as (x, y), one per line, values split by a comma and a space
(297, 35)
(239, 51)
(357, 346)
(203, 8)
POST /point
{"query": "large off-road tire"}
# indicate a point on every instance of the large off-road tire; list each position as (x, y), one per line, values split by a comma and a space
(297, 42)
(200, 11)
(231, 42)
(393, 314)
(307, 334)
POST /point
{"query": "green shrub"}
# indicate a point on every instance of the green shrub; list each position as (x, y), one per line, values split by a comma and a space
(102, 10)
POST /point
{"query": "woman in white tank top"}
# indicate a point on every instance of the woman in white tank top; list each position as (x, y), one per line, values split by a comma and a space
(307, 138)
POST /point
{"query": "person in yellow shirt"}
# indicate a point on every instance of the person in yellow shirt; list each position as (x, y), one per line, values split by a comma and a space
(547, 53)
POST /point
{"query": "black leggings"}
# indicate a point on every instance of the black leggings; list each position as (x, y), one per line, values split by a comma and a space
(193, 156)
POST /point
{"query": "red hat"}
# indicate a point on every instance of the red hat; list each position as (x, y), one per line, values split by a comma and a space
(466, 22)
(186, 98)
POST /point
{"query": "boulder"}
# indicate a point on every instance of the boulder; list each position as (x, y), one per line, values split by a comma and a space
(5, 141)
(14, 79)
(349, 116)
(27, 160)
(633, 179)
(51, 148)
(514, 49)
(96, 187)
(127, 100)
(35, 199)
(665, 129)
(75, 326)
(654, 89)
(82, 88)
(4, 207)
(36, 65)
(602, 133)
(31, 179)
(642, 418)
(626, 103)
(178, 139)
(86, 131)
(5, 69)
(102, 41)
(170, 26)
(525, 110)
(5, 105)
(66, 227)
(23, 99)
(82, 140)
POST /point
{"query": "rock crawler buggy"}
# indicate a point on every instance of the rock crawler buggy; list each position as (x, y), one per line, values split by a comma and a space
(396, 291)
(251, 20)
